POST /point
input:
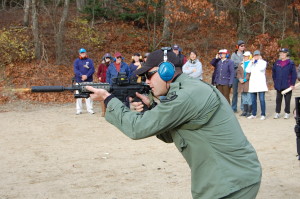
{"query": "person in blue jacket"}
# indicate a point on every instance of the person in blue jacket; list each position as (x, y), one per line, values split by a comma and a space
(84, 70)
(117, 66)
(284, 76)
(224, 73)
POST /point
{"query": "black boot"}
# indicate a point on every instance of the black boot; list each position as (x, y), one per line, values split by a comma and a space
(249, 111)
(245, 110)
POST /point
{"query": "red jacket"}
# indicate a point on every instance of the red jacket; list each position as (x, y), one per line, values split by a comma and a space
(102, 72)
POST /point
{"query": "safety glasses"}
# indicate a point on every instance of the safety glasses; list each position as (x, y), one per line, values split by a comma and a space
(148, 75)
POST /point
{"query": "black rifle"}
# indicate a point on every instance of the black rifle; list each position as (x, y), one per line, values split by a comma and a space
(122, 88)
(297, 126)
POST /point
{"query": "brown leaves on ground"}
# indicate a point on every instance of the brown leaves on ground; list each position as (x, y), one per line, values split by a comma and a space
(34, 74)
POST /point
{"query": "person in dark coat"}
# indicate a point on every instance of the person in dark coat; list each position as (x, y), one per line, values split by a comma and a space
(101, 73)
(117, 66)
(224, 73)
(284, 76)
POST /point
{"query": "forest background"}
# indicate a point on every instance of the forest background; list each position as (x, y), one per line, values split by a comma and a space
(39, 39)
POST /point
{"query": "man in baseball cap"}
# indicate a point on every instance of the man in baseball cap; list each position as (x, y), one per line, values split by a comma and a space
(198, 119)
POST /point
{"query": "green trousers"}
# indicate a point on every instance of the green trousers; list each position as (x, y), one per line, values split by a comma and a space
(249, 192)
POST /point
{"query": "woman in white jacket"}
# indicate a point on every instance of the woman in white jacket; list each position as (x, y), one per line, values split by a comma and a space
(193, 67)
(257, 83)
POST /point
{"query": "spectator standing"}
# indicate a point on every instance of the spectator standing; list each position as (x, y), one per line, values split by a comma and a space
(237, 58)
(193, 67)
(223, 73)
(284, 76)
(101, 73)
(182, 59)
(243, 86)
(84, 70)
(257, 84)
(117, 66)
(136, 63)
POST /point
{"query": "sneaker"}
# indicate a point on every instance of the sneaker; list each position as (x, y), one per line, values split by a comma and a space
(252, 117)
(91, 112)
(286, 116)
(78, 112)
(276, 116)
(262, 117)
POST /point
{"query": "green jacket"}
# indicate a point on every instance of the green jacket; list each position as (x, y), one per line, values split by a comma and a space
(199, 120)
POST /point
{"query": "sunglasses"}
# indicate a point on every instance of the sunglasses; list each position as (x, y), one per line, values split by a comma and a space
(148, 75)
(242, 45)
(119, 57)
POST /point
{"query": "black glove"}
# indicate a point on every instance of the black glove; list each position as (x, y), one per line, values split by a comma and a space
(230, 85)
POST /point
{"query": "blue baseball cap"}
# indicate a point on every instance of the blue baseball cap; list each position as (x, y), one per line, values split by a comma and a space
(82, 50)
(284, 50)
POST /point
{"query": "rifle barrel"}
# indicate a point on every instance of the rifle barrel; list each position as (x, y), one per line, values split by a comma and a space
(50, 89)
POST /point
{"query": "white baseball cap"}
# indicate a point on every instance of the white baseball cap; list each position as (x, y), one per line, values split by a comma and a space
(247, 53)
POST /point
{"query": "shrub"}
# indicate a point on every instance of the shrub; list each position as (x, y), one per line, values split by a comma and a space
(15, 45)
(293, 44)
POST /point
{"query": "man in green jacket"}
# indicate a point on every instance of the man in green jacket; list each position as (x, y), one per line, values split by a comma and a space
(198, 119)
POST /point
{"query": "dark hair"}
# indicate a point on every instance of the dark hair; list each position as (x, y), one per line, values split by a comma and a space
(193, 51)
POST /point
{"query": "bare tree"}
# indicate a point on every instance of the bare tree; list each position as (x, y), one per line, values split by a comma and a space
(166, 28)
(35, 29)
(26, 12)
(60, 34)
(296, 20)
(80, 4)
(3, 3)
(284, 18)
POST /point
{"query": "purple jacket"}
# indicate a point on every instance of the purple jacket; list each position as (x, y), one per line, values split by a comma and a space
(84, 67)
(285, 76)
(224, 72)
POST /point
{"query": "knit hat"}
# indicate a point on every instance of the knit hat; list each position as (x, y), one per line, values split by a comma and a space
(157, 57)
(223, 51)
(117, 54)
(107, 55)
(247, 53)
(240, 42)
(284, 50)
(175, 47)
(257, 52)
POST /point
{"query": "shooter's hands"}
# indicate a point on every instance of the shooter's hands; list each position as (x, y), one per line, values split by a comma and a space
(98, 93)
(139, 106)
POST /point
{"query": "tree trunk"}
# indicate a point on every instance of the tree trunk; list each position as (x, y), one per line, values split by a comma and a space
(35, 29)
(166, 29)
(241, 22)
(284, 20)
(80, 4)
(26, 12)
(4, 4)
(263, 26)
(296, 18)
(59, 43)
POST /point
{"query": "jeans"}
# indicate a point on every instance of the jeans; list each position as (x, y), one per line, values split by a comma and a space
(261, 96)
(287, 99)
(235, 94)
(246, 98)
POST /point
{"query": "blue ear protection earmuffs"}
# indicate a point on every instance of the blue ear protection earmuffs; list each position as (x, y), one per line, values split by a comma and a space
(166, 70)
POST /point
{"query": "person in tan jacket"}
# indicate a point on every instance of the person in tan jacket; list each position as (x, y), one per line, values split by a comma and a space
(243, 86)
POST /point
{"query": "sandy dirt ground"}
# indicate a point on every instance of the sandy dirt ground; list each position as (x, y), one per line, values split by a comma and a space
(46, 151)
